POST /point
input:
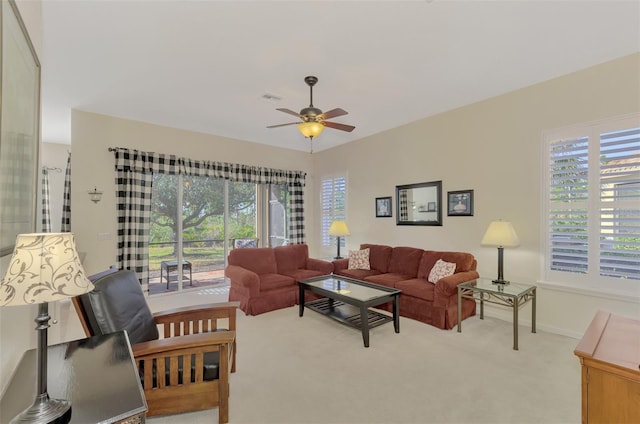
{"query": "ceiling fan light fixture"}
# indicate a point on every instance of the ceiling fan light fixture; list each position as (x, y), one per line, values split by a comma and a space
(310, 129)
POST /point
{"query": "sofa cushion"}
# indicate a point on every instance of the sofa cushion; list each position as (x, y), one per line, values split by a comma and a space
(303, 274)
(388, 279)
(358, 274)
(274, 281)
(291, 257)
(359, 259)
(405, 261)
(464, 261)
(440, 270)
(417, 287)
(379, 256)
(429, 259)
(261, 260)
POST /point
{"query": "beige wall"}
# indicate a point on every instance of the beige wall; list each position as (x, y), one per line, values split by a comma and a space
(494, 148)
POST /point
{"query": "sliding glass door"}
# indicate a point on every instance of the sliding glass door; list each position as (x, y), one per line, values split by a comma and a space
(278, 229)
(193, 220)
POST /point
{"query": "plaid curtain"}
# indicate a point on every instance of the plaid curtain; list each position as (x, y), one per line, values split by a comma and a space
(403, 215)
(134, 171)
(46, 215)
(134, 217)
(296, 213)
(66, 201)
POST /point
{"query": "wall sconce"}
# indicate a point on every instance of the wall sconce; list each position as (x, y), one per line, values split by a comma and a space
(95, 195)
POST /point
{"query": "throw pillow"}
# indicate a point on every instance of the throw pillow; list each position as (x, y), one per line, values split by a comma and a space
(359, 259)
(440, 270)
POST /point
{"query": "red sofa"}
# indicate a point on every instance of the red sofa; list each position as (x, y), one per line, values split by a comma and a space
(264, 279)
(407, 269)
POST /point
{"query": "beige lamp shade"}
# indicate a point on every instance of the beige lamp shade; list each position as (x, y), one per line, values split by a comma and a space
(44, 267)
(311, 129)
(338, 228)
(500, 233)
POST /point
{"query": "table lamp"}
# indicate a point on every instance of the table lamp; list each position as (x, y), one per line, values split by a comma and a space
(338, 229)
(44, 268)
(501, 234)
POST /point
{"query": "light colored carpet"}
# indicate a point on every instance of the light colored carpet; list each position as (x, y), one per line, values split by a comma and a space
(315, 370)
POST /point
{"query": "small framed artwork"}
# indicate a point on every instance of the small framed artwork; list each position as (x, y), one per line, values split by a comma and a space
(383, 207)
(460, 203)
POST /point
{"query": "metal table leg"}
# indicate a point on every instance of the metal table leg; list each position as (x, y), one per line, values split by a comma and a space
(515, 322)
(533, 312)
(459, 310)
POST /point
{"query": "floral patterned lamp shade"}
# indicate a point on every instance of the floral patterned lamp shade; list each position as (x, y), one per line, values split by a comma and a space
(44, 268)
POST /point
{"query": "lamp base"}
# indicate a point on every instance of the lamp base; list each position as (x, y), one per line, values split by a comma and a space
(45, 411)
(498, 281)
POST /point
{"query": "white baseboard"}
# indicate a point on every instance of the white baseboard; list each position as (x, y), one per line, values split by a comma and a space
(524, 320)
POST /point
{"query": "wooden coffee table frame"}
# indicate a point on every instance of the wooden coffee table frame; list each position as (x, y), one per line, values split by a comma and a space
(349, 310)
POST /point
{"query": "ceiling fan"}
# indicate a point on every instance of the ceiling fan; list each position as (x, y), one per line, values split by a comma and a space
(313, 119)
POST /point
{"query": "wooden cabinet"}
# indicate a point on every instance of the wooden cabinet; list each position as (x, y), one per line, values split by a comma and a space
(609, 353)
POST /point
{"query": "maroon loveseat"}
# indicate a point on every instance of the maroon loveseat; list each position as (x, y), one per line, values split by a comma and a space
(264, 279)
(407, 269)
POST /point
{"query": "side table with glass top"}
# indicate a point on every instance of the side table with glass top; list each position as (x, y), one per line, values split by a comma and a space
(513, 295)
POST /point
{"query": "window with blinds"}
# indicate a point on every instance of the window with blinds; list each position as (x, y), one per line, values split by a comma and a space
(620, 203)
(333, 203)
(593, 201)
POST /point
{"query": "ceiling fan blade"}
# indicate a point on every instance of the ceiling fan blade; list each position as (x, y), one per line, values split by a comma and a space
(334, 113)
(289, 111)
(341, 127)
(283, 125)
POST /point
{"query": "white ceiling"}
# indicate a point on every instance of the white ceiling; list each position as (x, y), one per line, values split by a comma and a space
(205, 65)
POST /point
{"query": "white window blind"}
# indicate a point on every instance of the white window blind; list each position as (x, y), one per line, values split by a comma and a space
(593, 202)
(333, 203)
(620, 203)
(568, 191)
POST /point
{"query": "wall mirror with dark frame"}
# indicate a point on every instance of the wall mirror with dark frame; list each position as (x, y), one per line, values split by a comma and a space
(419, 204)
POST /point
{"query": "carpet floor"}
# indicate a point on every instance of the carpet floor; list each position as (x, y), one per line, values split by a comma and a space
(315, 370)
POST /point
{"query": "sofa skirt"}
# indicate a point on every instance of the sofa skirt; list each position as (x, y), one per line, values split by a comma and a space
(265, 302)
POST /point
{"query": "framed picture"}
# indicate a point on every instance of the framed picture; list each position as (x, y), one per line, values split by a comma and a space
(19, 128)
(383, 207)
(460, 203)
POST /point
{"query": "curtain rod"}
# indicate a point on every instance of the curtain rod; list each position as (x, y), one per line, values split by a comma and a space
(51, 168)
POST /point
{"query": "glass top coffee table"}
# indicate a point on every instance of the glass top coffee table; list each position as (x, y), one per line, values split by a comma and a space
(349, 301)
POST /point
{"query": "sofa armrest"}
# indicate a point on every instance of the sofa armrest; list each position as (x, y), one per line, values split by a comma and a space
(325, 267)
(244, 278)
(448, 286)
(340, 264)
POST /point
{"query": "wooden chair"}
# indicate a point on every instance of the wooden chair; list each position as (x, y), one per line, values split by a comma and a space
(194, 355)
